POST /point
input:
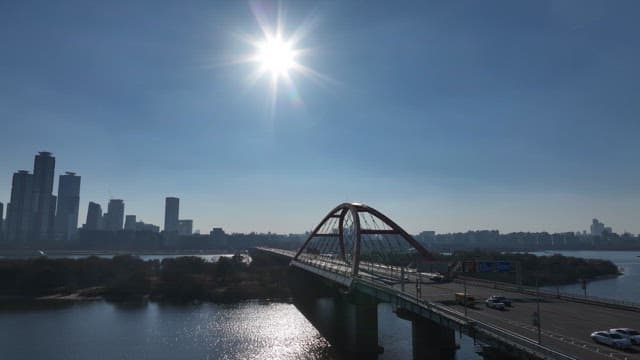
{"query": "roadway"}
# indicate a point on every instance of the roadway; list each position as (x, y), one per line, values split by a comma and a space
(565, 325)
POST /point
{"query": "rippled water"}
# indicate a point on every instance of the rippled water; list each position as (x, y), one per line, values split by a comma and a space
(100, 330)
(251, 330)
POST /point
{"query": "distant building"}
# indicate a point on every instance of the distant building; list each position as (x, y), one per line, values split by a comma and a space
(43, 202)
(19, 212)
(102, 222)
(427, 235)
(171, 214)
(115, 215)
(217, 233)
(141, 226)
(597, 228)
(66, 224)
(185, 227)
(130, 222)
(94, 217)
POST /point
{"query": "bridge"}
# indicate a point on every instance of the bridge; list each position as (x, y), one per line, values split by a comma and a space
(361, 251)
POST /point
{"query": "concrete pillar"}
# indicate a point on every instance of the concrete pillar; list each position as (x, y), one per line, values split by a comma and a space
(348, 321)
(361, 327)
(432, 341)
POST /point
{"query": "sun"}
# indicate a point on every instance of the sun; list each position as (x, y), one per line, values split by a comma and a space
(278, 56)
(275, 56)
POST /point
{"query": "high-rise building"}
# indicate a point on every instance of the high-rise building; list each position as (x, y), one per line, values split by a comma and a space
(217, 233)
(102, 222)
(43, 201)
(94, 217)
(130, 222)
(115, 215)
(597, 228)
(185, 227)
(171, 211)
(141, 226)
(66, 223)
(19, 209)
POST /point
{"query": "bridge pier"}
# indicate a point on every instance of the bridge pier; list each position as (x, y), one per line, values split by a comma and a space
(348, 320)
(361, 325)
(432, 341)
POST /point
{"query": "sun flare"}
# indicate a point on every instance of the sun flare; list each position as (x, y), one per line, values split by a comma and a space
(275, 56)
(279, 56)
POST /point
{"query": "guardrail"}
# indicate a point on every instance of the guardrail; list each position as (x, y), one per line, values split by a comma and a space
(491, 331)
(593, 300)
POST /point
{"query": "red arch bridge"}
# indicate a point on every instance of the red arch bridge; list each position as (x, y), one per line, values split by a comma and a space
(363, 252)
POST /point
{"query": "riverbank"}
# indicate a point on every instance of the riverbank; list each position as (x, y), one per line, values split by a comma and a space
(56, 253)
(128, 278)
(541, 269)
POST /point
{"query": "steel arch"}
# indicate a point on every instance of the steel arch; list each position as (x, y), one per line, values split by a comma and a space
(355, 209)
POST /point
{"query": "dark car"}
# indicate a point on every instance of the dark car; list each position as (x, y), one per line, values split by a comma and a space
(502, 299)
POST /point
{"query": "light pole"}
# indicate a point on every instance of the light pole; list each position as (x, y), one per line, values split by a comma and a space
(465, 302)
(418, 286)
(537, 314)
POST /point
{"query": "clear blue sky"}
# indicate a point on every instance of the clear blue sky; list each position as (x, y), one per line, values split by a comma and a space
(509, 115)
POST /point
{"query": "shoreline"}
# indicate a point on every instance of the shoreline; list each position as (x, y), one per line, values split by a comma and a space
(77, 297)
(34, 253)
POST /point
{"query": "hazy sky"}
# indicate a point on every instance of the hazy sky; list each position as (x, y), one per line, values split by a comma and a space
(509, 115)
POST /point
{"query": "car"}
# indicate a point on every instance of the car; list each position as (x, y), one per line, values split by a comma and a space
(465, 299)
(494, 304)
(631, 334)
(502, 299)
(611, 339)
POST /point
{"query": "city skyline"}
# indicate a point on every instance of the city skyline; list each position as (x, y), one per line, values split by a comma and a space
(68, 212)
(525, 122)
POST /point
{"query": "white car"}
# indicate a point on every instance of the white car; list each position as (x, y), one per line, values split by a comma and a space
(494, 304)
(611, 339)
(631, 334)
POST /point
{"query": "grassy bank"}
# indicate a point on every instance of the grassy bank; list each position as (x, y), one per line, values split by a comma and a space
(543, 270)
(125, 278)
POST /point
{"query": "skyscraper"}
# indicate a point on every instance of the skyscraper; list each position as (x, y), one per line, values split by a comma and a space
(171, 210)
(115, 215)
(43, 201)
(185, 227)
(94, 216)
(130, 222)
(66, 223)
(597, 228)
(19, 209)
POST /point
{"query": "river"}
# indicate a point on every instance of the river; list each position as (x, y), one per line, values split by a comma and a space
(248, 330)
(625, 287)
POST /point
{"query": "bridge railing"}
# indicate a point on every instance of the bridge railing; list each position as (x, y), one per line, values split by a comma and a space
(488, 330)
(594, 300)
(325, 263)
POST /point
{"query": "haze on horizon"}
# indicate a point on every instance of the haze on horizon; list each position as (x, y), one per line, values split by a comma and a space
(516, 116)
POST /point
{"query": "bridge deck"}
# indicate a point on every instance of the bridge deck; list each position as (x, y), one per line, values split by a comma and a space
(566, 325)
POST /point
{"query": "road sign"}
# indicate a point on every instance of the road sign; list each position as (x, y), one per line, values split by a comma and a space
(486, 266)
(503, 266)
